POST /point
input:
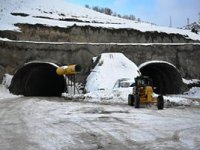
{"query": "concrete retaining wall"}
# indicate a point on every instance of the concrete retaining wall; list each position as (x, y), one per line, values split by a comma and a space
(14, 54)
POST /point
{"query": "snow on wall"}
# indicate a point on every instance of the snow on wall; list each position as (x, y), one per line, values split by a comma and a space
(192, 81)
(110, 68)
(59, 12)
(4, 92)
(6, 81)
(155, 61)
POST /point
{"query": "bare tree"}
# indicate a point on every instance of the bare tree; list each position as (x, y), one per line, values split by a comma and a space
(108, 11)
(87, 6)
(96, 8)
(132, 17)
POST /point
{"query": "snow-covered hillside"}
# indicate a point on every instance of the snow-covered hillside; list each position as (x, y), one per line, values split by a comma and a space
(193, 26)
(110, 68)
(63, 14)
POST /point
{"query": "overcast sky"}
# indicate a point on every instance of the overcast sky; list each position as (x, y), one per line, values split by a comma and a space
(155, 11)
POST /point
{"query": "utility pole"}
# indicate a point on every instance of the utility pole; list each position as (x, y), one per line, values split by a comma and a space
(188, 22)
(199, 17)
(170, 21)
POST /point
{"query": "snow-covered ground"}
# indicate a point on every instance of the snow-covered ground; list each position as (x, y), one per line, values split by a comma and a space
(64, 14)
(50, 123)
(120, 96)
(100, 119)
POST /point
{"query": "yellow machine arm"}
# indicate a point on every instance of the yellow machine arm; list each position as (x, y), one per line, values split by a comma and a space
(68, 70)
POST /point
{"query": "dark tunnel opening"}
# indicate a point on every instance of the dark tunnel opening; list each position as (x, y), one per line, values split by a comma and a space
(166, 78)
(37, 79)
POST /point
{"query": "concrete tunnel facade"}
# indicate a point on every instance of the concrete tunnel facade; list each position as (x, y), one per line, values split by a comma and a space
(165, 76)
(41, 79)
(38, 79)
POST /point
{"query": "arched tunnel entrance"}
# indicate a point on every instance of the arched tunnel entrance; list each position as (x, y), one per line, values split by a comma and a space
(166, 78)
(38, 79)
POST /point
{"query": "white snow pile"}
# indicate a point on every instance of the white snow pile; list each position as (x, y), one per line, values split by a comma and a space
(63, 14)
(180, 100)
(4, 92)
(194, 93)
(109, 69)
(112, 96)
(6, 81)
(192, 81)
(120, 96)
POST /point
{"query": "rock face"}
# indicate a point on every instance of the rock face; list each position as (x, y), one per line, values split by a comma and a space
(14, 54)
(90, 34)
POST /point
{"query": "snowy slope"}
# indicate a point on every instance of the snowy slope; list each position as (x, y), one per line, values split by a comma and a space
(63, 14)
(194, 25)
(110, 68)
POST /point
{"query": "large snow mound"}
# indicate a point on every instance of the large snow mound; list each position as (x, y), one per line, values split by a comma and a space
(64, 14)
(5, 94)
(110, 68)
(194, 92)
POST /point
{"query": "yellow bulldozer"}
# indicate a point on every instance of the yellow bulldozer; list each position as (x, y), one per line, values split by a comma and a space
(143, 94)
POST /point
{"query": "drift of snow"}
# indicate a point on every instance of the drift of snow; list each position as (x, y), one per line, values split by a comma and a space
(4, 93)
(194, 92)
(6, 81)
(120, 96)
(110, 68)
(192, 81)
(63, 14)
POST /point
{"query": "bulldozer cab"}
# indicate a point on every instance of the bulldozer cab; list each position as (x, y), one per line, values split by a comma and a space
(143, 81)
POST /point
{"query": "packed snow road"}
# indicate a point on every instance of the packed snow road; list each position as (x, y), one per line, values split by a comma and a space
(30, 123)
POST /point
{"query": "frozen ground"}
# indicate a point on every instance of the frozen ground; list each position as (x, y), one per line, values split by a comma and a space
(56, 123)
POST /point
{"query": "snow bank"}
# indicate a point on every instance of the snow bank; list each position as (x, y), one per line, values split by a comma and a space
(7, 78)
(113, 96)
(192, 81)
(193, 93)
(4, 93)
(189, 98)
(180, 100)
(110, 68)
(120, 96)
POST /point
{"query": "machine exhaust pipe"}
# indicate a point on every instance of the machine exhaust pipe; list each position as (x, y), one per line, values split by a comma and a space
(68, 70)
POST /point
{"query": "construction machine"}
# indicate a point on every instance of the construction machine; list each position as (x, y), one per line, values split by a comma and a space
(143, 93)
(70, 71)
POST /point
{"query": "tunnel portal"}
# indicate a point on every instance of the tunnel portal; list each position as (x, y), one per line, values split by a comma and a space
(38, 79)
(166, 78)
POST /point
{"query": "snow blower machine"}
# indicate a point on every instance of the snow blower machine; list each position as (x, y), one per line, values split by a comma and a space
(143, 94)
